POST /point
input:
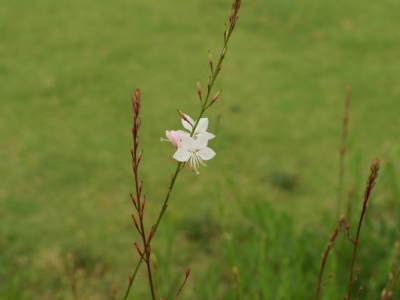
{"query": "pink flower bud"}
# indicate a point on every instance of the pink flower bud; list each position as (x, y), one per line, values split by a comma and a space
(174, 138)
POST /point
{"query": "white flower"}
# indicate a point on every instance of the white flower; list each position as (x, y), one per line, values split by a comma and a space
(200, 130)
(194, 151)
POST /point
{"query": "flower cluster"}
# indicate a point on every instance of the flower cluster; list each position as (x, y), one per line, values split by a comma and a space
(192, 145)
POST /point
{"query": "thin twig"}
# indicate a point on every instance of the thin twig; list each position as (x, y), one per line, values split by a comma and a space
(187, 274)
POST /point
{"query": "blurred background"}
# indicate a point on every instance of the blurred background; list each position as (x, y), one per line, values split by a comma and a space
(67, 72)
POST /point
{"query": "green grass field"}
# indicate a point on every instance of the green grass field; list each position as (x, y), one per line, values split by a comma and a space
(67, 72)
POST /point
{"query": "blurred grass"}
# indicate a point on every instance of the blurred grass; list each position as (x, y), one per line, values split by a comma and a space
(67, 70)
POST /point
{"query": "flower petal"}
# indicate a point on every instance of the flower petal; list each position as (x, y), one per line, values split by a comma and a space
(173, 137)
(206, 134)
(206, 153)
(201, 142)
(182, 133)
(182, 155)
(189, 143)
(202, 126)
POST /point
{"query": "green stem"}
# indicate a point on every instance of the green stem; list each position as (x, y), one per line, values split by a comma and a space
(355, 248)
(163, 209)
(165, 204)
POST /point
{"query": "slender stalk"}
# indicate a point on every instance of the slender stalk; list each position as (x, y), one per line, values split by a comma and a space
(233, 17)
(139, 201)
(167, 196)
(328, 248)
(370, 185)
(342, 151)
(187, 274)
(161, 214)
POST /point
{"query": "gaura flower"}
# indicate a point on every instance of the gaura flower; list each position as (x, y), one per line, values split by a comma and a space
(194, 151)
(200, 130)
(174, 137)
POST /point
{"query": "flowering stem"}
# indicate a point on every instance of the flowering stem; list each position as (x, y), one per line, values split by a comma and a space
(138, 203)
(370, 185)
(233, 17)
(165, 204)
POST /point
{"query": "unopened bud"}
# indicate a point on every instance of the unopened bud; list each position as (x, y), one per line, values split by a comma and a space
(188, 272)
(141, 182)
(138, 250)
(210, 60)
(136, 223)
(183, 117)
(133, 199)
(139, 156)
(143, 203)
(151, 233)
(198, 88)
(216, 96)
(214, 99)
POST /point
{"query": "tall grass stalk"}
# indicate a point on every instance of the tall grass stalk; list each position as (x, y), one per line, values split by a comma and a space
(332, 238)
(343, 150)
(374, 170)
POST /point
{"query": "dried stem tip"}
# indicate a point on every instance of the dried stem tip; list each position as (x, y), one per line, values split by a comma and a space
(375, 167)
(234, 12)
(188, 272)
(136, 102)
(371, 179)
